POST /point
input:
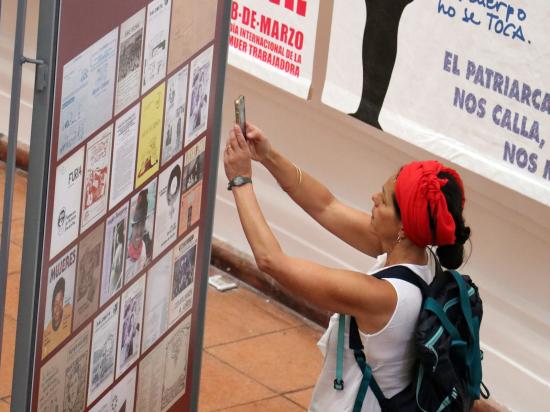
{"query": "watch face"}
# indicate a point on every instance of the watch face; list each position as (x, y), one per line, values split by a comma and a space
(238, 181)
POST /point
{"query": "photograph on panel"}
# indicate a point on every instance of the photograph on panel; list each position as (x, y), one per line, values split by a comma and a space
(190, 208)
(193, 169)
(114, 254)
(129, 61)
(174, 118)
(163, 372)
(88, 275)
(139, 249)
(88, 81)
(130, 325)
(190, 205)
(198, 96)
(193, 26)
(63, 378)
(156, 43)
(124, 155)
(168, 198)
(121, 397)
(155, 321)
(66, 204)
(103, 352)
(96, 178)
(183, 276)
(150, 135)
(58, 313)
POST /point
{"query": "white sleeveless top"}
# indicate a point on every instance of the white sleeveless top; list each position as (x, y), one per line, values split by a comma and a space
(389, 352)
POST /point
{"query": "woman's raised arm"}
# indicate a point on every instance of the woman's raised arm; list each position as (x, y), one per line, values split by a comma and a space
(371, 300)
(347, 223)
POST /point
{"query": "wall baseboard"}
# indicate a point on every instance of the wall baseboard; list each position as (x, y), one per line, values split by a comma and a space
(239, 265)
(21, 155)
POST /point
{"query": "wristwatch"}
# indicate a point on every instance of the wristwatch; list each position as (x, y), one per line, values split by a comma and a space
(238, 181)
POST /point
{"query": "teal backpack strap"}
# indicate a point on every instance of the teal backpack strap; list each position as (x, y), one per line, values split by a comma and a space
(433, 306)
(368, 380)
(464, 301)
(475, 367)
(338, 381)
(473, 359)
(364, 386)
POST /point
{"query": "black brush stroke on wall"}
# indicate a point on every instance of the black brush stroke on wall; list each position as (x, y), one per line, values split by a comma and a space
(379, 53)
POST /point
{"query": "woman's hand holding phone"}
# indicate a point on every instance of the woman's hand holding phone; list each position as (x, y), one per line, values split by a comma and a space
(258, 143)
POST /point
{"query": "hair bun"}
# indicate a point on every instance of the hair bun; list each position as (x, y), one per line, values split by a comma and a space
(462, 234)
(451, 256)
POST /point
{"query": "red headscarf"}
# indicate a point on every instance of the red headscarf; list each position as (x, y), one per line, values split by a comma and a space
(418, 193)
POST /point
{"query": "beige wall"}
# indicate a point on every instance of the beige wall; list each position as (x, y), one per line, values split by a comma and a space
(510, 233)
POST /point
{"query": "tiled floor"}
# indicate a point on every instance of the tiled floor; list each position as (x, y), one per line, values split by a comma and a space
(258, 356)
(12, 290)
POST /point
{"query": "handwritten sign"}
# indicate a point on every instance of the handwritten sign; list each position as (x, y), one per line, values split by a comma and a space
(468, 82)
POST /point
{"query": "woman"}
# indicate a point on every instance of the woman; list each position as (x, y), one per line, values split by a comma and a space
(397, 232)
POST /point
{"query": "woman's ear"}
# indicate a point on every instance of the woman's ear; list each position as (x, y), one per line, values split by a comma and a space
(401, 235)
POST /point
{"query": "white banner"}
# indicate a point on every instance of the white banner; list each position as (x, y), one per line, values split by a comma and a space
(464, 79)
(275, 41)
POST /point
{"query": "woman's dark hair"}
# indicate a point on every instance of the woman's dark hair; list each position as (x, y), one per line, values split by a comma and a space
(450, 256)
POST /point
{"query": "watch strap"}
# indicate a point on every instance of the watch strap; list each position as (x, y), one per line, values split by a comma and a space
(238, 181)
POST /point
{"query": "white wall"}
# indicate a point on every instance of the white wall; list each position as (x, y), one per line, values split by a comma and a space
(510, 260)
(7, 38)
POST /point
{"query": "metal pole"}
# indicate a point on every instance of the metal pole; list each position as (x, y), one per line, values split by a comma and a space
(18, 61)
(211, 198)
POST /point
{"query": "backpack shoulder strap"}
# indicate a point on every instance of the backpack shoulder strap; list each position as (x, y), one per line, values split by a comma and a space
(368, 380)
(406, 274)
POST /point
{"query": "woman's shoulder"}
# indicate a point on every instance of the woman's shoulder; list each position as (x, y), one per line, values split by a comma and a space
(426, 271)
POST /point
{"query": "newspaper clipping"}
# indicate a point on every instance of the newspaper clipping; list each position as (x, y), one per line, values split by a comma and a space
(121, 397)
(66, 204)
(163, 373)
(88, 274)
(96, 178)
(114, 254)
(63, 378)
(124, 155)
(197, 112)
(130, 326)
(58, 313)
(193, 169)
(139, 249)
(150, 135)
(156, 43)
(190, 208)
(168, 198)
(129, 61)
(155, 320)
(175, 114)
(183, 276)
(88, 81)
(102, 362)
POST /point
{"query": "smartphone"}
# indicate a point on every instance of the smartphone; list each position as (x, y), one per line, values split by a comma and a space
(240, 114)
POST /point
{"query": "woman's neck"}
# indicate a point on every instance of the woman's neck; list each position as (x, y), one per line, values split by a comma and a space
(407, 252)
